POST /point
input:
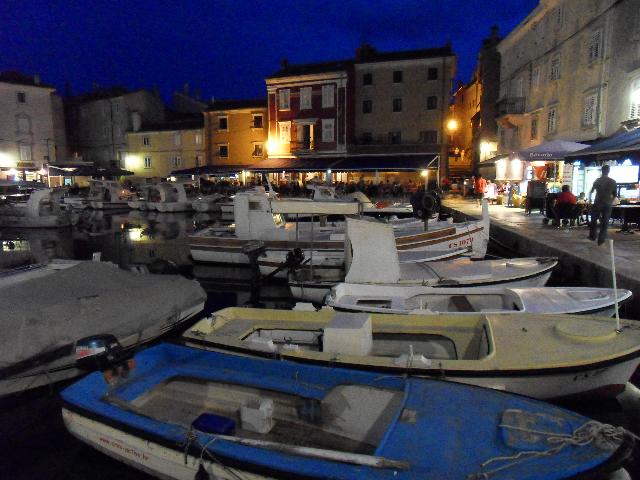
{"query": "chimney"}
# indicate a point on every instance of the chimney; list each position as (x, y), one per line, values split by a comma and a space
(185, 89)
(36, 79)
(284, 63)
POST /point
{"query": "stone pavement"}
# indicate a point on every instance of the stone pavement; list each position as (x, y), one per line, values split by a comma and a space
(582, 262)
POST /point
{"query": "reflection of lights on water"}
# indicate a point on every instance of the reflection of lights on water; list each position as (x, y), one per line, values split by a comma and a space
(135, 234)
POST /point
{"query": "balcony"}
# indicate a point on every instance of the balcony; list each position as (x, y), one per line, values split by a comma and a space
(302, 147)
(511, 106)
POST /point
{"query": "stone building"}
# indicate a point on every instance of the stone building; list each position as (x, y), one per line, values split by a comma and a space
(156, 149)
(98, 121)
(32, 130)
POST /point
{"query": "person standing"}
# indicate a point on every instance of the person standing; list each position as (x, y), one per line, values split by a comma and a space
(509, 192)
(479, 187)
(605, 189)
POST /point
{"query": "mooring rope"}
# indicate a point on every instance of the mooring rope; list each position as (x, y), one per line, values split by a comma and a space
(603, 436)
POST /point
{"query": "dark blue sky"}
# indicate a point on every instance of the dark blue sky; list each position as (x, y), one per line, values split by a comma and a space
(227, 47)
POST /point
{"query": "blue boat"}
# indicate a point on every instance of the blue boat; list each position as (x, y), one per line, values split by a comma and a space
(185, 413)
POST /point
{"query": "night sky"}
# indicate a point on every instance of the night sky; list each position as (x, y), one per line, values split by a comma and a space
(226, 48)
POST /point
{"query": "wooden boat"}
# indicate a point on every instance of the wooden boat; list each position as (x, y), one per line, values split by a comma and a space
(374, 259)
(258, 217)
(40, 209)
(183, 413)
(47, 310)
(542, 356)
(108, 195)
(469, 301)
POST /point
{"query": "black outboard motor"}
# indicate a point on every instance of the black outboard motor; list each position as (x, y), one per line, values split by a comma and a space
(99, 352)
(425, 204)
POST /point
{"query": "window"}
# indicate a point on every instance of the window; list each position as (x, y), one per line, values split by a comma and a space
(24, 125)
(366, 138)
(198, 160)
(534, 128)
(105, 131)
(21, 97)
(519, 93)
(555, 69)
(176, 161)
(367, 79)
(116, 107)
(223, 123)
(257, 121)
(25, 153)
(327, 129)
(283, 100)
(146, 141)
(397, 76)
(197, 139)
(552, 120)
(595, 45)
(367, 106)
(635, 100)
(328, 93)
(177, 139)
(535, 77)
(432, 103)
(285, 132)
(397, 104)
(258, 149)
(589, 110)
(223, 150)
(429, 136)
(305, 98)
(147, 162)
(432, 74)
(395, 138)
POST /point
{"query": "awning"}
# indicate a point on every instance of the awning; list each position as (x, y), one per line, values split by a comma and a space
(294, 164)
(211, 170)
(87, 171)
(553, 150)
(620, 145)
(393, 163)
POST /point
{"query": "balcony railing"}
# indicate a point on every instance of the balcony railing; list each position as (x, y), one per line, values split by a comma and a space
(511, 105)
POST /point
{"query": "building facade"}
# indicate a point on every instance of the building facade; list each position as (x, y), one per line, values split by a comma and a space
(32, 131)
(569, 71)
(235, 133)
(465, 113)
(98, 122)
(155, 150)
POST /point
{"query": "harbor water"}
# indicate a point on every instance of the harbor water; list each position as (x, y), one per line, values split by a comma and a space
(33, 440)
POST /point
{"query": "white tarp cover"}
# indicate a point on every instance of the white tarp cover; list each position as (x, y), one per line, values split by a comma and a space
(91, 298)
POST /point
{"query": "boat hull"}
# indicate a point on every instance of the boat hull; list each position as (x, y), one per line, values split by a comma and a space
(98, 205)
(174, 207)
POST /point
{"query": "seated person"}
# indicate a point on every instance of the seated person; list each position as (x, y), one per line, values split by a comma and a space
(565, 206)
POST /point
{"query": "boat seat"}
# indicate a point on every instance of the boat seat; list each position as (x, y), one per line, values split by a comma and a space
(461, 303)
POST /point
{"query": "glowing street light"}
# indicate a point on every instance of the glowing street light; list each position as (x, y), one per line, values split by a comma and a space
(452, 125)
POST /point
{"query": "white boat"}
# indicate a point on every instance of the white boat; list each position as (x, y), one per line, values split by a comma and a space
(374, 259)
(541, 356)
(140, 201)
(47, 310)
(42, 209)
(108, 195)
(175, 197)
(209, 203)
(76, 202)
(259, 218)
(379, 209)
(469, 301)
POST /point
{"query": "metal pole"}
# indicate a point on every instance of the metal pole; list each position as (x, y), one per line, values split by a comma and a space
(615, 287)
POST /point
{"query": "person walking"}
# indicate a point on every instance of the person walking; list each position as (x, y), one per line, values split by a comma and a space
(479, 187)
(605, 189)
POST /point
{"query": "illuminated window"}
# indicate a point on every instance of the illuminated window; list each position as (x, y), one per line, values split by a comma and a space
(147, 162)
(328, 96)
(589, 110)
(595, 45)
(305, 98)
(258, 150)
(285, 131)
(432, 73)
(367, 106)
(328, 125)
(283, 100)
(552, 120)
(397, 76)
(367, 79)
(197, 139)
(223, 123)
(432, 103)
(21, 97)
(223, 150)
(397, 105)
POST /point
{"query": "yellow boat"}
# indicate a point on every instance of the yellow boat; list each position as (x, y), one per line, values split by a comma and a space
(542, 356)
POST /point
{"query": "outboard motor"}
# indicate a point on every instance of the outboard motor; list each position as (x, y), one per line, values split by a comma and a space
(99, 352)
(425, 204)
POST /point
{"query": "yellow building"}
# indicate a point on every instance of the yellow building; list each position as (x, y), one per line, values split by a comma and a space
(236, 133)
(155, 150)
